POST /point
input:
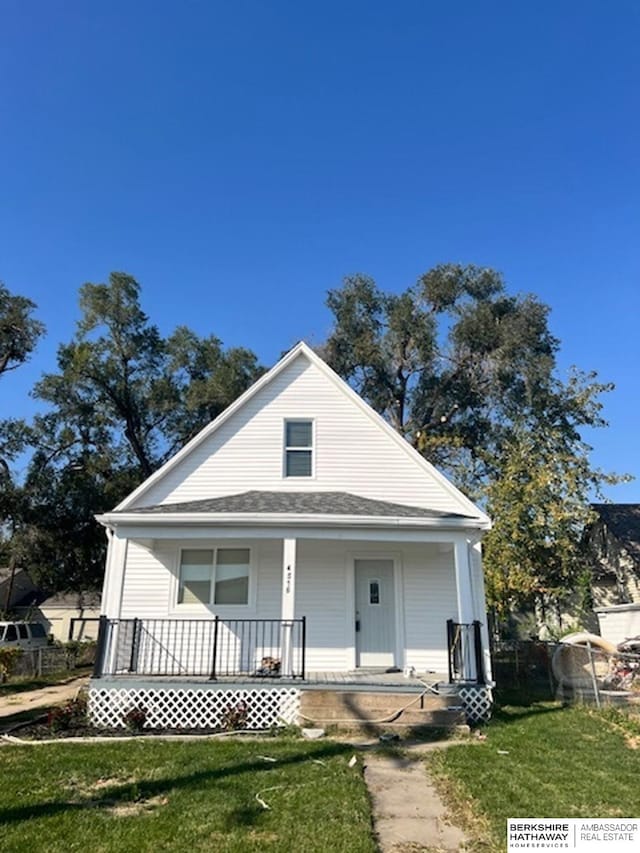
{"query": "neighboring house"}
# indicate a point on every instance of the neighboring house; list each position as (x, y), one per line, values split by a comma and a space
(298, 536)
(17, 590)
(614, 543)
(69, 615)
(65, 615)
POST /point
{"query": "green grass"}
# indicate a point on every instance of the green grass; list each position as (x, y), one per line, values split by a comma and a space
(194, 796)
(541, 761)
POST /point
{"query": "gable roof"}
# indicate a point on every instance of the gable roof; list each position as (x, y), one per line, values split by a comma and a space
(302, 350)
(304, 503)
(623, 522)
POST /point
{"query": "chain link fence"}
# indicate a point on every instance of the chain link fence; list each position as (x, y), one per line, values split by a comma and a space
(53, 659)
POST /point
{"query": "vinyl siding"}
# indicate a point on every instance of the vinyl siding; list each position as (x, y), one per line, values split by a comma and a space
(430, 599)
(351, 452)
(321, 593)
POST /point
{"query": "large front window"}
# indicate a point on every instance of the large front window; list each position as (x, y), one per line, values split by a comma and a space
(214, 576)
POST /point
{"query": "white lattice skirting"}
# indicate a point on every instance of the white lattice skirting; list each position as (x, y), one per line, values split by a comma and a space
(477, 702)
(184, 708)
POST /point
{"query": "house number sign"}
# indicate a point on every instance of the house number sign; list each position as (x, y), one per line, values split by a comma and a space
(287, 587)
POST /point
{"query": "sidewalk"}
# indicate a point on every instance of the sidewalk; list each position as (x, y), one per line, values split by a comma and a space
(55, 694)
(407, 811)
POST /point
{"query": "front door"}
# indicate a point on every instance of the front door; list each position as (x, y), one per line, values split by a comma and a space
(375, 613)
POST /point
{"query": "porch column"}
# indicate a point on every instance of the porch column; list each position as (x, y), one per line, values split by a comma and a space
(114, 576)
(111, 605)
(464, 594)
(288, 604)
(481, 605)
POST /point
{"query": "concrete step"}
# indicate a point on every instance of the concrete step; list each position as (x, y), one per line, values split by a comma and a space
(361, 727)
(366, 702)
(371, 711)
(332, 714)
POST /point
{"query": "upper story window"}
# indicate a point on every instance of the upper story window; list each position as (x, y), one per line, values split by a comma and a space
(298, 449)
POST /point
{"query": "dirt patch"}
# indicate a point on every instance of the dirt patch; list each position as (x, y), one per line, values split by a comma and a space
(633, 741)
(134, 809)
(263, 837)
(86, 789)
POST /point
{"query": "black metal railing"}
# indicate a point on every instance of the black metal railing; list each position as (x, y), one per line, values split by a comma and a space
(465, 654)
(262, 648)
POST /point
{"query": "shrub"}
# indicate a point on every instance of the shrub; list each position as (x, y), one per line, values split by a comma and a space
(135, 718)
(235, 716)
(80, 652)
(71, 715)
(8, 660)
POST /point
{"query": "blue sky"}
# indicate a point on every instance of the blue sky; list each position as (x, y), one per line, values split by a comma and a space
(240, 158)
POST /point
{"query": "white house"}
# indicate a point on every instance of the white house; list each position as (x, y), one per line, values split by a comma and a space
(296, 537)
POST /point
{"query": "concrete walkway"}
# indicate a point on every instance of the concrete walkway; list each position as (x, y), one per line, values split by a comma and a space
(407, 811)
(56, 694)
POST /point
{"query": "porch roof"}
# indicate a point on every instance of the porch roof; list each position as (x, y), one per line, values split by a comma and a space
(298, 503)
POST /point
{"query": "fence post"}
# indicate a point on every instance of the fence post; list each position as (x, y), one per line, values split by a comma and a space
(101, 647)
(450, 649)
(594, 680)
(215, 648)
(304, 647)
(477, 642)
(135, 643)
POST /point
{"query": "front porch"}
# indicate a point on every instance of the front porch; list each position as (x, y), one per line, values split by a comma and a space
(260, 649)
(191, 673)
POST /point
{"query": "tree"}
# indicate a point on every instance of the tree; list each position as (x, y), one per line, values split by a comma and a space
(123, 400)
(467, 373)
(19, 334)
(113, 389)
(19, 330)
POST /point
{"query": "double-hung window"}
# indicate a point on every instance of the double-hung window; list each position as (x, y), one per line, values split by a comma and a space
(298, 448)
(214, 576)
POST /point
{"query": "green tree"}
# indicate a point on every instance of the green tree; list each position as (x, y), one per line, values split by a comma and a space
(539, 501)
(466, 372)
(19, 330)
(122, 401)
(19, 335)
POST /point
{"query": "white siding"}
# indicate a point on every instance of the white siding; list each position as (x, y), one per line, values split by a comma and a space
(323, 581)
(321, 594)
(146, 584)
(352, 453)
(430, 599)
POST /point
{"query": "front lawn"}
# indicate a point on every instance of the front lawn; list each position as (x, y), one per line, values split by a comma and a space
(170, 796)
(542, 761)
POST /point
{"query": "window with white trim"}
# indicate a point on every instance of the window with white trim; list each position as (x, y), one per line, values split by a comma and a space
(214, 576)
(298, 449)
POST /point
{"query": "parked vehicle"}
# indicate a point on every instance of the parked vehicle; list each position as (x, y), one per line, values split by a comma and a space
(22, 635)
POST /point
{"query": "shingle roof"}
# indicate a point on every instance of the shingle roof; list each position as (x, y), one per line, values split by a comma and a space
(304, 503)
(623, 522)
(74, 600)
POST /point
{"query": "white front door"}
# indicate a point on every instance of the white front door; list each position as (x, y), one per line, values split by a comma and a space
(375, 613)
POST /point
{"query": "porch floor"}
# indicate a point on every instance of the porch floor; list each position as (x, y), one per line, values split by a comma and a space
(360, 679)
